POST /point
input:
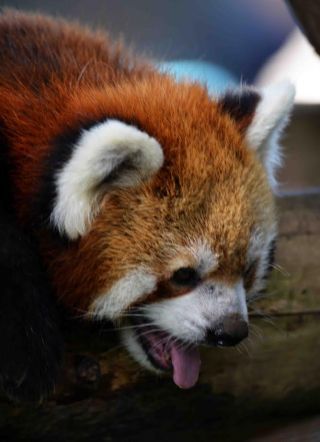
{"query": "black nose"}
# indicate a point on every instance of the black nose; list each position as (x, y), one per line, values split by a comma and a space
(230, 332)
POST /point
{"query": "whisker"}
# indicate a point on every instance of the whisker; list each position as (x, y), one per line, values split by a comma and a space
(245, 347)
(116, 347)
(132, 315)
(267, 318)
(82, 313)
(280, 269)
(260, 295)
(238, 348)
(154, 330)
(130, 327)
(256, 331)
(270, 321)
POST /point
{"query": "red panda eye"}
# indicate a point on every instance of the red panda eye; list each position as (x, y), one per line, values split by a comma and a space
(185, 276)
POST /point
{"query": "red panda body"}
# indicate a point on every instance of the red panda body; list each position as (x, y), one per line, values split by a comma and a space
(175, 197)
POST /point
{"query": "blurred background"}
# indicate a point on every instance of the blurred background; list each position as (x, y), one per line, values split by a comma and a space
(221, 42)
(238, 35)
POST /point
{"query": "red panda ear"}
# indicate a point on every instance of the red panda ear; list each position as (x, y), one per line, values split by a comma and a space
(109, 154)
(240, 104)
(261, 116)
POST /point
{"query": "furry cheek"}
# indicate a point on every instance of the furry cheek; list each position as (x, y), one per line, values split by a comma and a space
(125, 292)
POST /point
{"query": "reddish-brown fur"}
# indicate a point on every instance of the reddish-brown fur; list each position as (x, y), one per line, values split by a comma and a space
(55, 77)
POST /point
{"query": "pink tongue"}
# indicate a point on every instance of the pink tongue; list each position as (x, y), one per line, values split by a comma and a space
(186, 366)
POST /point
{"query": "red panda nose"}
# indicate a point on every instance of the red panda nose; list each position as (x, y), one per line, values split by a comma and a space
(230, 332)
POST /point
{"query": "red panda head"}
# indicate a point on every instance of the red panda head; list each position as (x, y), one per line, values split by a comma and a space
(165, 196)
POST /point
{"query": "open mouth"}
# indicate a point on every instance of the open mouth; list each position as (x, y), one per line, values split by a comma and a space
(167, 353)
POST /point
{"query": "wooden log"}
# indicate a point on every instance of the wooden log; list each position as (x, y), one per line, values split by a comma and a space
(269, 380)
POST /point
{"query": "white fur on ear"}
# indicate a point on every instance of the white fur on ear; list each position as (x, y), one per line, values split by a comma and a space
(270, 118)
(112, 151)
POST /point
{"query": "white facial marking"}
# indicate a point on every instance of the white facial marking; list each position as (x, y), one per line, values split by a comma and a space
(189, 317)
(207, 261)
(271, 116)
(129, 339)
(100, 151)
(123, 293)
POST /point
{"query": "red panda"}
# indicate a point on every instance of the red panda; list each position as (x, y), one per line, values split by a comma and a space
(148, 202)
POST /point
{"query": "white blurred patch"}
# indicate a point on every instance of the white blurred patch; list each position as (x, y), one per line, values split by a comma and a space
(298, 61)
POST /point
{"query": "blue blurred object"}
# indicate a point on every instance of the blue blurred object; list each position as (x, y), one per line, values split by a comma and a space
(214, 77)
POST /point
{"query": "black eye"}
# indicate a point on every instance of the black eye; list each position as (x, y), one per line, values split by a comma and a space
(186, 276)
